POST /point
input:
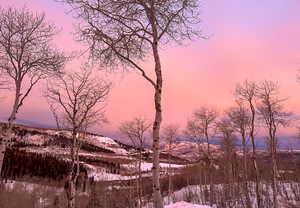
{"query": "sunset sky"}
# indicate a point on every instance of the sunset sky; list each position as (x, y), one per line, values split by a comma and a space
(248, 39)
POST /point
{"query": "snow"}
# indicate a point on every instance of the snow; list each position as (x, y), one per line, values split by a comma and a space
(44, 135)
(105, 140)
(190, 150)
(100, 174)
(103, 176)
(34, 139)
(106, 143)
(183, 204)
(196, 192)
(148, 166)
(99, 141)
(28, 187)
(53, 150)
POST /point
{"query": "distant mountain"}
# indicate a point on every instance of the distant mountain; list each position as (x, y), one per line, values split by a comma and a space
(30, 123)
(190, 150)
(284, 142)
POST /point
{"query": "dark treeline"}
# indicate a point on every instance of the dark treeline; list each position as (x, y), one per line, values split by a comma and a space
(19, 163)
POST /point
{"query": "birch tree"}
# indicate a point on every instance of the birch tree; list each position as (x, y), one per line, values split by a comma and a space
(170, 133)
(247, 92)
(273, 115)
(240, 119)
(26, 56)
(228, 138)
(124, 33)
(201, 124)
(26, 53)
(206, 117)
(194, 131)
(136, 131)
(76, 99)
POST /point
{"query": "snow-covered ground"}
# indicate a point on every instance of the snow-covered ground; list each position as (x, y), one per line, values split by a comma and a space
(190, 150)
(40, 136)
(29, 187)
(183, 204)
(100, 174)
(106, 143)
(288, 193)
(147, 166)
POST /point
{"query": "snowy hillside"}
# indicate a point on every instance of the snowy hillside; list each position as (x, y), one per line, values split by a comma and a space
(183, 204)
(102, 158)
(190, 150)
(46, 137)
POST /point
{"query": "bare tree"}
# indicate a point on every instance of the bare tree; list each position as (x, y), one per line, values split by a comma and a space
(135, 130)
(247, 92)
(194, 131)
(201, 125)
(124, 33)
(240, 119)
(228, 145)
(170, 133)
(26, 55)
(227, 132)
(206, 118)
(75, 98)
(271, 111)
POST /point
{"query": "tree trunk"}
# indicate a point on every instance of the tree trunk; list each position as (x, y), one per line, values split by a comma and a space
(2, 151)
(211, 185)
(156, 168)
(210, 166)
(158, 201)
(70, 183)
(70, 186)
(71, 192)
(272, 133)
(140, 180)
(169, 174)
(254, 159)
(207, 140)
(274, 181)
(14, 112)
(8, 134)
(245, 172)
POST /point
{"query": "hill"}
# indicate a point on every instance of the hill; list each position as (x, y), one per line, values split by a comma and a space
(37, 149)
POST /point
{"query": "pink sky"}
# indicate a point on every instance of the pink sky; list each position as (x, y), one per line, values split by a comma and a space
(252, 40)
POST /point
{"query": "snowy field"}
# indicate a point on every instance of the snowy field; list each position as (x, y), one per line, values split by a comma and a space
(288, 194)
(183, 204)
(100, 174)
(179, 198)
(146, 166)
